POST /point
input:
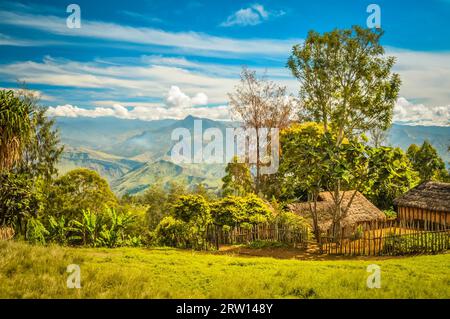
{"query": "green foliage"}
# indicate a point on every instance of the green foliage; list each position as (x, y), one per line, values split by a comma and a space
(415, 244)
(232, 211)
(18, 199)
(390, 175)
(192, 208)
(105, 229)
(36, 232)
(42, 151)
(390, 213)
(346, 81)
(237, 180)
(15, 127)
(195, 212)
(312, 161)
(59, 230)
(160, 201)
(256, 210)
(113, 232)
(427, 162)
(88, 229)
(171, 232)
(78, 190)
(292, 221)
(228, 211)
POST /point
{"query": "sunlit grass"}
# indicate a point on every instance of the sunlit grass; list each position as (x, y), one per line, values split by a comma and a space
(40, 272)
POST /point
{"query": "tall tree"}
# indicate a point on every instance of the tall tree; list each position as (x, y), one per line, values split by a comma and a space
(310, 162)
(346, 81)
(260, 103)
(427, 162)
(237, 180)
(390, 175)
(347, 85)
(78, 190)
(15, 127)
(42, 151)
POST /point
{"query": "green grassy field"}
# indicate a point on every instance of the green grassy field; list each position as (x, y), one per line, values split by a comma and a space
(40, 272)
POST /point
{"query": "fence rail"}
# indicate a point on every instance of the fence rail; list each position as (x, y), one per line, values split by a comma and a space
(297, 237)
(395, 237)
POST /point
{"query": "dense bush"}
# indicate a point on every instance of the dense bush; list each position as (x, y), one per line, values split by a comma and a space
(171, 232)
(78, 190)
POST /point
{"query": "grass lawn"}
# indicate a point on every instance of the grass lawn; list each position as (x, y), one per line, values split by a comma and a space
(40, 272)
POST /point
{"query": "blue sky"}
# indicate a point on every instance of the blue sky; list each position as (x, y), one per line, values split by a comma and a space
(167, 59)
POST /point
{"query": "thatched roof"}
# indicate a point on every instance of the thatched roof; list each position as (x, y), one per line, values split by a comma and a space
(428, 195)
(361, 210)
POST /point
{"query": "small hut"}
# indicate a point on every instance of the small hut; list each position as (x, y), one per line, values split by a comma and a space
(428, 202)
(361, 210)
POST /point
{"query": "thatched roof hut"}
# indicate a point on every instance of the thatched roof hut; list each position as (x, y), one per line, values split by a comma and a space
(361, 210)
(429, 195)
(429, 202)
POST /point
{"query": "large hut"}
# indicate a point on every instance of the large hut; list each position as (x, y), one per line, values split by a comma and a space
(361, 211)
(428, 202)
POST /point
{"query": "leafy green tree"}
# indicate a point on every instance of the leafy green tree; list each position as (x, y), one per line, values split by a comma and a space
(172, 232)
(32, 153)
(15, 127)
(80, 189)
(194, 210)
(42, 151)
(346, 81)
(312, 162)
(256, 210)
(390, 175)
(228, 211)
(156, 197)
(427, 162)
(348, 87)
(237, 180)
(160, 200)
(19, 200)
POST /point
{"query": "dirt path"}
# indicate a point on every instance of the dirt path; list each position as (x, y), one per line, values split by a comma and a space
(311, 253)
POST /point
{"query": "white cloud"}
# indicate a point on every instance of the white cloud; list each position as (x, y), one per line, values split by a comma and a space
(176, 98)
(143, 81)
(185, 41)
(425, 75)
(253, 15)
(179, 105)
(408, 113)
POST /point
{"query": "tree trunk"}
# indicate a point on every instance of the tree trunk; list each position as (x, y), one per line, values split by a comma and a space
(258, 173)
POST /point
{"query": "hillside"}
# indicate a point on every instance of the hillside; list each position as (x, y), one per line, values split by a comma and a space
(133, 154)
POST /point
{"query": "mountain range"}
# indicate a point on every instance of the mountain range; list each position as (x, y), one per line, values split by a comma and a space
(133, 154)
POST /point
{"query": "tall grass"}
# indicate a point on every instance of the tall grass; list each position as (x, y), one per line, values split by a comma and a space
(28, 271)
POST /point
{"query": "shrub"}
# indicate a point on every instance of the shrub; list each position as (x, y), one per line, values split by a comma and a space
(36, 232)
(390, 213)
(171, 232)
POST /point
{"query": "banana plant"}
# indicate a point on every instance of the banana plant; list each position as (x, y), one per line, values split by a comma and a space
(60, 230)
(89, 228)
(113, 233)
